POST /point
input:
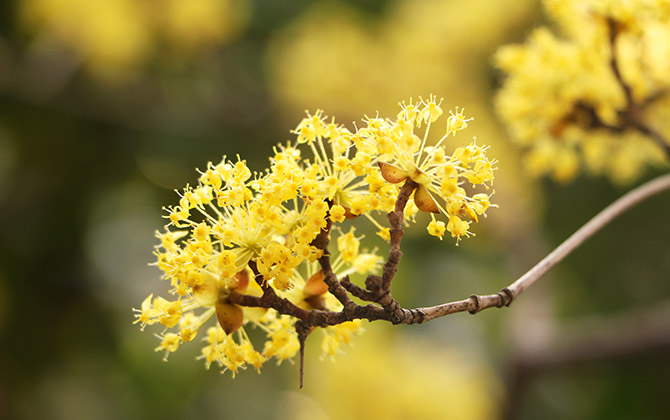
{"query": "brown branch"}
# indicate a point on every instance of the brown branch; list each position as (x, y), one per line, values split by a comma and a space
(473, 304)
(357, 291)
(269, 298)
(612, 26)
(396, 217)
(303, 329)
(655, 135)
(378, 288)
(321, 242)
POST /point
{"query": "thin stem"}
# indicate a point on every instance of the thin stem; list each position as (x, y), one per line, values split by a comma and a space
(322, 242)
(507, 295)
(396, 218)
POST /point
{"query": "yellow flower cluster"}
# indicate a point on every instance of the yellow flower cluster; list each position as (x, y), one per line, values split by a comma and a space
(364, 170)
(403, 155)
(563, 100)
(235, 221)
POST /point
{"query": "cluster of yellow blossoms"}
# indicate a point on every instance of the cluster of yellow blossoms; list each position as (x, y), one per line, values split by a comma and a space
(563, 100)
(234, 221)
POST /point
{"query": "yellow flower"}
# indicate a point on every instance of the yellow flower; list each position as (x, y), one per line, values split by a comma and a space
(436, 228)
(337, 213)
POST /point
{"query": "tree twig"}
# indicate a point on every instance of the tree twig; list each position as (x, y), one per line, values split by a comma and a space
(473, 304)
(334, 287)
(507, 295)
(612, 26)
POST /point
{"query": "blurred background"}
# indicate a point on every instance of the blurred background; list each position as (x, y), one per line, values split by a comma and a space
(108, 106)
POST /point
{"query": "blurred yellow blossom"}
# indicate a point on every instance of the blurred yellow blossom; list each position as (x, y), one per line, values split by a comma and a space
(579, 97)
(406, 380)
(114, 36)
(413, 46)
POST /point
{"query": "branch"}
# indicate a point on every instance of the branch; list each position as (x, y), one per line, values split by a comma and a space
(507, 295)
(475, 303)
(378, 288)
(655, 135)
(269, 298)
(321, 242)
(396, 217)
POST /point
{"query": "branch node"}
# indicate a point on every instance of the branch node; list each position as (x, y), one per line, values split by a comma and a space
(478, 301)
(417, 316)
(373, 283)
(506, 297)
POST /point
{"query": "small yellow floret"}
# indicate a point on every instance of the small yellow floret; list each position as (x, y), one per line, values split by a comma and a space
(436, 228)
(457, 227)
(337, 213)
(457, 121)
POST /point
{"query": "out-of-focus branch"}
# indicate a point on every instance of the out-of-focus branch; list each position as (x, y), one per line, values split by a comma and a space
(612, 26)
(632, 116)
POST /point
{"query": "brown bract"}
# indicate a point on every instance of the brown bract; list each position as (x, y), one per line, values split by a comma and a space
(230, 316)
